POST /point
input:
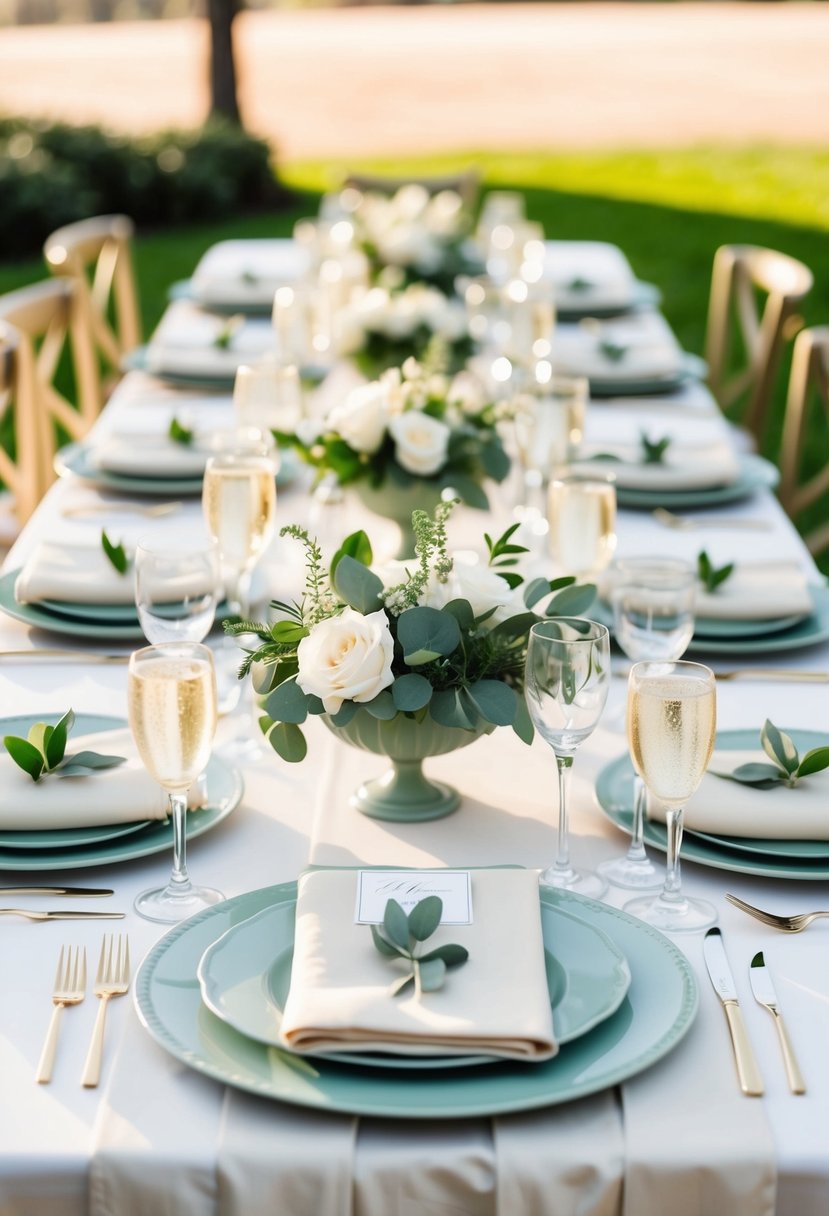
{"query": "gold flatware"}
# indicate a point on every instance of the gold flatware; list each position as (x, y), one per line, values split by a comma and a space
(786, 924)
(69, 989)
(157, 510)
(795, 674)
(684, 523)
(80, 892)
(762, 986)
(78, 656)
(751, 1082)
(112, 979)
(60, 914)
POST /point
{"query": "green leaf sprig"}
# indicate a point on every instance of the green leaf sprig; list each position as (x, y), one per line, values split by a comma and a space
(709, 575)
(43, 752)
(787, 765)
(227, 333)
(614, 352)
(653, 450)
(180, 434)
(117, 554)
(503, 555)
(402, 935)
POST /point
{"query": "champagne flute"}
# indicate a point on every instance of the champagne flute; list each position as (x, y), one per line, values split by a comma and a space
(172, 714)
(176, 588)
(672, 723)
(566, 682)
(653, 618)
(581, 512)
(239, 503)
(268, 395)
(548, 416)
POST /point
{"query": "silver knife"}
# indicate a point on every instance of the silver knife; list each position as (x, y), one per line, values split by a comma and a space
(763, 989)
(80, 892)
(63, 914)
(751, 1082)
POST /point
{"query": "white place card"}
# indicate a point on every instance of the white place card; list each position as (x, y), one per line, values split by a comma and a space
(376, 887)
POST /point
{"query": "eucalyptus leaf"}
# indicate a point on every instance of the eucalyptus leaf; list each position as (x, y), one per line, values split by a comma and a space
(117, 554)
(461, 610)
(180, 434)
(451, 954)
(91, 760)
(25, 756)
(815, 761)
(523, 723)
(572, 601)
(411, 692)
(494, 700)
(424, 917)
(382, 706)
(385, 948)
(468, 490)
(358, 546)
(447, 709)
(426, 634)
(288, 703)
(56, 745)
(761, 776)
(535, 591)
(779, 746)
(39, 735)
(357, 585)
(344, 714)
(432, 974)
(396, 925)
(288, 741)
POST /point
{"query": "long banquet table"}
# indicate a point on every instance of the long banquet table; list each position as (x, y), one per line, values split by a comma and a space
(158, 1137)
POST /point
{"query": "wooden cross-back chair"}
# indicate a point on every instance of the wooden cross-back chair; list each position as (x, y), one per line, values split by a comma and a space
(96, 255)
(761, 289)
(20, 469)
(42, 321)
(808, 385)
(466, 184)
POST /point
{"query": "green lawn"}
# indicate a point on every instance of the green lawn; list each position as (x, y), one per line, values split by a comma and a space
(668, 211)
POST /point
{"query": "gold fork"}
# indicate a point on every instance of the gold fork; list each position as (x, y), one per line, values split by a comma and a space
(157, 510)
(112, 979)
(795, 923)
(684, 524)
(69, 989)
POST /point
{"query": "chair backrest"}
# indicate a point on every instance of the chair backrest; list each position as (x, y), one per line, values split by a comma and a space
(96, 254)
(466, 184)
(21, 473)
(760, 289)
(800, 487)
(46, 319)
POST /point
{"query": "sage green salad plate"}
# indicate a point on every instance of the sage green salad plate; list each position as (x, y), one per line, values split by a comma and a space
(797, 859)
(657, 1011)
(78, 458)
(246, 974)
(807, 631)
(605, 384)
(74, 849)
(41, 617)
(754, 474)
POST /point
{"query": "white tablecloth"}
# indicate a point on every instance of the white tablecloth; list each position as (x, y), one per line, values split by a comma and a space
(157, 1137)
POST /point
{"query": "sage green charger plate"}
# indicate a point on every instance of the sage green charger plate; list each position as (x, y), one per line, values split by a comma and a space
(76, 458)
(689, 367)
(246, 974)
(572, 308)
(658, 1010)
(224, 793)
(136, 360)
(801, 859)
(808, 631)
(754, 474)
(42, 618)
(712, 628)
(109, 614)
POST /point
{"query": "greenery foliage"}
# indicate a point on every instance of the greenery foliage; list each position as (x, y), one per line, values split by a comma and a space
(401, 936)
(43, 752)
(787, 765)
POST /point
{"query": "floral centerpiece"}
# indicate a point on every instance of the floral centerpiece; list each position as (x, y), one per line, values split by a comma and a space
(381, 326)
(404, 439)
(409, 666)
(425, 236)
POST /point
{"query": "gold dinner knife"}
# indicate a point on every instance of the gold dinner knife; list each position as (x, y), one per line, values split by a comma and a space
(80, 892)
(763, 989)
(751, 1082)
(61, 914)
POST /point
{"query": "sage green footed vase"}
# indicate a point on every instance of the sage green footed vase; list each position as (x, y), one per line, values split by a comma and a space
(397, 503)
(405, 794)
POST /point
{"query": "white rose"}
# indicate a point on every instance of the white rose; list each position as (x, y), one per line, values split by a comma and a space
(362, 417)
(445, 317)
(481, 586)
(346, 658)
(421, 442)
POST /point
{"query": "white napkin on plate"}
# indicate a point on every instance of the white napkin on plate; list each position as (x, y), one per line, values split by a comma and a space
(728, 808)
(115, 795)
(497, 1003)
(135, 453)
(185, 342)
(578, 352)
(757, 591)
(248, 271)
(77, 574)
(684, 467)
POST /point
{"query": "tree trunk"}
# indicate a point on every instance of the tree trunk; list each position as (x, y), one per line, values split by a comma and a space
(223, 99)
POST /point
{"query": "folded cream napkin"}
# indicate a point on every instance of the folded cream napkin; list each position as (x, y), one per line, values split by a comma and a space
(757, 591)
(137, 453)
(185, 342)
(496, 1004)
(115, 795)
(248, 271)
(727, 808)
(78, 574)
(684, 467)
(585, 354)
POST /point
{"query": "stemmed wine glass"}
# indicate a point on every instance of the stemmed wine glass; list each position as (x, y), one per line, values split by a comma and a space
(653, 618)
(172, 713)
(672, 723)
(581, 512)
(176, 588)
(566, 682)
(548, 416)
(239, 504)
(268, 395)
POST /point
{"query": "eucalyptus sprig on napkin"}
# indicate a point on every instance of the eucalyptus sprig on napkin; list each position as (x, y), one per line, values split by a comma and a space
(43, 752)
(228, 331)
(653, 450)
(787, 765)
(711, 576)
(400, 937)
(180, 433)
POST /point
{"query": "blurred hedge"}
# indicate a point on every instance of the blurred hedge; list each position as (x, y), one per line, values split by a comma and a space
(52, 174)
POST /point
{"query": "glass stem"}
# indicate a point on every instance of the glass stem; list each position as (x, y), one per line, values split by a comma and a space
(562, 864)
(179, 879)
(673, 823)
(636, 851)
